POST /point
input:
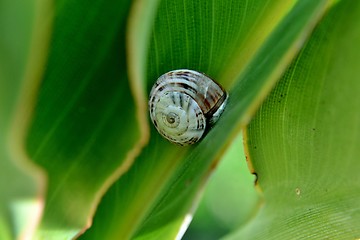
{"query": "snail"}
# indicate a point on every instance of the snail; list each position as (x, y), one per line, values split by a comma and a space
(185, 104)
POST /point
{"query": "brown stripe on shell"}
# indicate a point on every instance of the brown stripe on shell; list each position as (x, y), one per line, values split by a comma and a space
(206, 94)
(216, 106)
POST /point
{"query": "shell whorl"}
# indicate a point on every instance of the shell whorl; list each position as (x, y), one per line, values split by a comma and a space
(184, 104)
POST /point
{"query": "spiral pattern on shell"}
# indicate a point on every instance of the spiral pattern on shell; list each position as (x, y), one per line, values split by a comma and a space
(184, 104)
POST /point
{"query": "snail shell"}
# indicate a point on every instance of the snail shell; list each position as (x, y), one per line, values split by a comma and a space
(184, 104)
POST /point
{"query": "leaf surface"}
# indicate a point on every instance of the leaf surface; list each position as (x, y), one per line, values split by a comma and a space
(151, 200)
(83, 130)
(303, 141)
(24, 30)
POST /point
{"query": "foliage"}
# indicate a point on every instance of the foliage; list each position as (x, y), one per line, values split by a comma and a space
(83, 161)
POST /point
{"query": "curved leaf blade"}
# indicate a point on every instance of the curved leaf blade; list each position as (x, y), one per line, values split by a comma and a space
(76, 128)
(302, 141)
(23, 46)
(152, 199)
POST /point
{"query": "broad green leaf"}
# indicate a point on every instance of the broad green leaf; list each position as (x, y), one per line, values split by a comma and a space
(82, 129)
(151, 200)
(24, 31)
(303, 142)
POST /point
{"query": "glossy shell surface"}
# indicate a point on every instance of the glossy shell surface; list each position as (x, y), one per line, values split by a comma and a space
(184, 104)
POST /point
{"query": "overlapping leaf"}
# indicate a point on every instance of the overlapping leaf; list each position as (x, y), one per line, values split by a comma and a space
(303, 141)
(24, 30)
(151, 200)
(83, 123)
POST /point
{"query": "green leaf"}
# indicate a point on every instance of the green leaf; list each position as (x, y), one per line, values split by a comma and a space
(83, 130)
(303, 140)
(12, 70)
(151, 200)
(24, 30)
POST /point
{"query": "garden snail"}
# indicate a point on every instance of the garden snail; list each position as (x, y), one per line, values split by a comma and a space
(184, 104)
